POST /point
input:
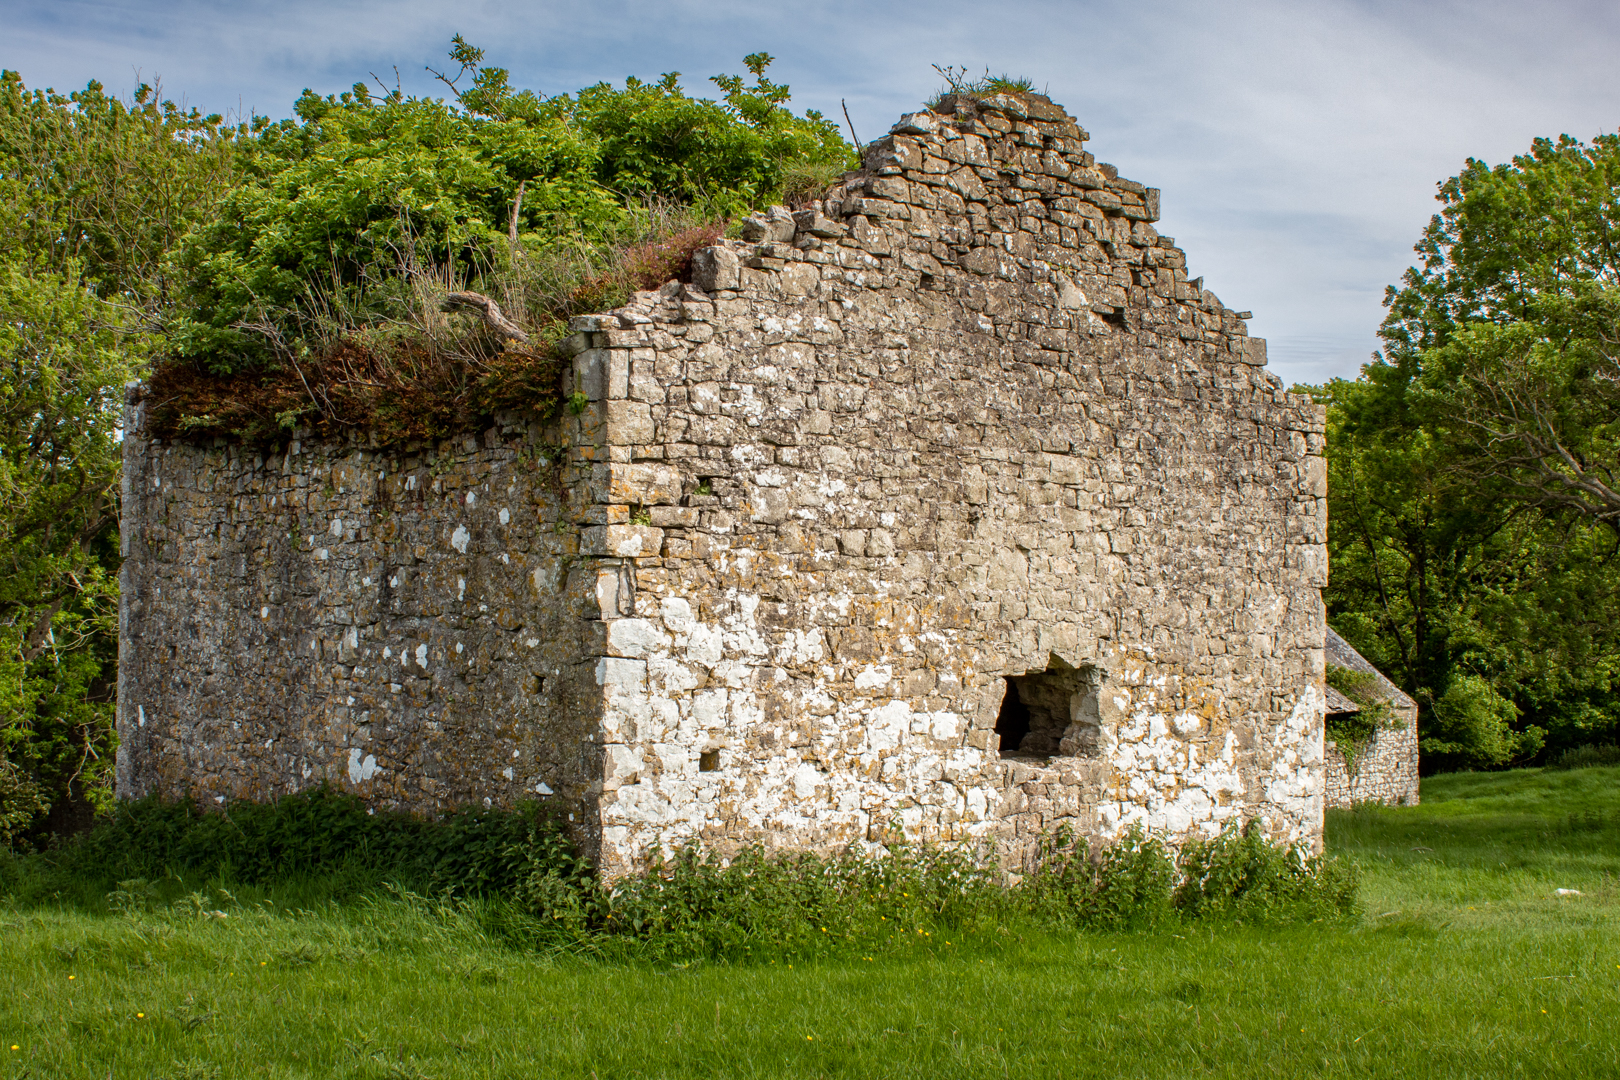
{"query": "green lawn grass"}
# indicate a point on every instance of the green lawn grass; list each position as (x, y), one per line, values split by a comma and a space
(1465, 965)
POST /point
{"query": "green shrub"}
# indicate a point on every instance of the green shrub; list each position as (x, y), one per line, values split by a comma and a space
(795, 905)
(1471, 727)
(1242, 877)
(317, 832)
(346, 211)
(1126, 886)
(64, 355)
(1582, 757)
(22, 799)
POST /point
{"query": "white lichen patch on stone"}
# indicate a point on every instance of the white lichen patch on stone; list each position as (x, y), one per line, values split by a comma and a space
(361, 768)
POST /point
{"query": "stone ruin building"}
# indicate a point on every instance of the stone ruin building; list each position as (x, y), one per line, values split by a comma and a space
(1385, 770)
(946, 505)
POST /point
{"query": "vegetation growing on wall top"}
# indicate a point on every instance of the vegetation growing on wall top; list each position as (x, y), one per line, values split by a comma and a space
(314, 295)
(1352, 732)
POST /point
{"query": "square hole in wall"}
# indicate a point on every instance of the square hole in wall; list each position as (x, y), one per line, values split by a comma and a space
(1049, 713)
(709, 761)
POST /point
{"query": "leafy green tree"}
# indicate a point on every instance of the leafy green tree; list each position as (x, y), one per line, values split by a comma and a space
(1473, 540)
(67, 357)
(100, 189)
(1514, 317)
(1433, 579)
(94, 191)
(655, 141)
(735, 153)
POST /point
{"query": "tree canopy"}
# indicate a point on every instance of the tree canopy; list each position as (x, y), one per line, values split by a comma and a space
(1474, 522)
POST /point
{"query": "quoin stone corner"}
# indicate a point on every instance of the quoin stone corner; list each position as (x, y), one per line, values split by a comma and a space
(945, 505)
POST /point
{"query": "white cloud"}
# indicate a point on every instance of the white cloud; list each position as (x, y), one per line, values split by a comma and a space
(1297, 144)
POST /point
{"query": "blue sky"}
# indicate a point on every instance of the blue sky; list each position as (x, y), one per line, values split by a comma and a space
(1297, 143)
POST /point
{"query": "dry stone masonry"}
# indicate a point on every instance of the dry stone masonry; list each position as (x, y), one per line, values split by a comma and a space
(946, 505)
(1385, 770)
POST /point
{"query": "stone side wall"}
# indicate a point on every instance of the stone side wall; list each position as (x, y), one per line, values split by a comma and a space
(966, 418)
(410, 624)
(1386, 770)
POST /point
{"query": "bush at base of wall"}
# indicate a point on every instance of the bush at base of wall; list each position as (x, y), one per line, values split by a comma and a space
(516, 872)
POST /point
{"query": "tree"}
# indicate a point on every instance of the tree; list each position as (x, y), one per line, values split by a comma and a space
(94, 192)
(1473, 522)
(66, 356)
(100, 189)
(1514, 319)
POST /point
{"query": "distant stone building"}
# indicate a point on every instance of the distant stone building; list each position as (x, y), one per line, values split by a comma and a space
(1385, 770)
(947, 504)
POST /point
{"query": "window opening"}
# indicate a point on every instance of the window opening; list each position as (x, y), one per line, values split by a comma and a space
(1050, 713)
(709, 761)
(1012, 724)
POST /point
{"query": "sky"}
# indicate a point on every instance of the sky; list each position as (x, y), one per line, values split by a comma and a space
(1298, 144)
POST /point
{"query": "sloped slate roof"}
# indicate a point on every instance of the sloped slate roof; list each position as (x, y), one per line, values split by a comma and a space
(1340, 654)
(1338, 704)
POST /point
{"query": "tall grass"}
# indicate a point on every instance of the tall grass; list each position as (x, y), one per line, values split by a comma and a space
(1466, 964)
(532, 889)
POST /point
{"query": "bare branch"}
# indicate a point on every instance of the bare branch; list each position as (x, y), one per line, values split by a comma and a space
(517, 208)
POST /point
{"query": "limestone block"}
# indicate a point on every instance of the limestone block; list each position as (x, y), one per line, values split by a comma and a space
(635, 484)
(621, 541)
(918, 123)
(773, 226)
(877, 208)
(814, 223)
(602, 373)
(966, 183)
(715, 268)
(628, 423)
(635, 638)
(1150, 200)
(770, 506)
(1007, 104)
(665, 517)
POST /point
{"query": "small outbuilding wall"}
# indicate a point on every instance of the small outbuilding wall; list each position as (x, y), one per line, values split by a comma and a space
(1385, 770)
(947, 505)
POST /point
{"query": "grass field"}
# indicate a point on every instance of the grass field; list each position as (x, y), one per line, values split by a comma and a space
(1466, 964)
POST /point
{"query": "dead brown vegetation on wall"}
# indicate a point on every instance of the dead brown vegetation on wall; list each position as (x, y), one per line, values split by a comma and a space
(436, 375)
